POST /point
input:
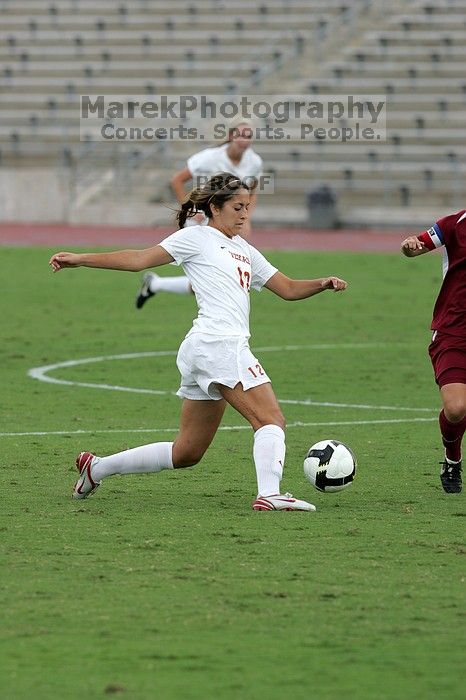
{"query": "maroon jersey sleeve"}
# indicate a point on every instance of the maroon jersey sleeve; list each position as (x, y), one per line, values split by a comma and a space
(440, 233)
(446, 225)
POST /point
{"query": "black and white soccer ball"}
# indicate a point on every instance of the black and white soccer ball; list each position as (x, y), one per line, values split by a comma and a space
(330, 466)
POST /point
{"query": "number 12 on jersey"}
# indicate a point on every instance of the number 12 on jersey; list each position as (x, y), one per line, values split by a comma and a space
(257, 371)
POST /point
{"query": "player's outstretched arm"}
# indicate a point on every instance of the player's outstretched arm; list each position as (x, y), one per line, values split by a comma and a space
(129, 260)
(292, 290)
(413, 246)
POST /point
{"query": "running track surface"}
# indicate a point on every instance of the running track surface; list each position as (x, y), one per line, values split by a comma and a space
(65, 236)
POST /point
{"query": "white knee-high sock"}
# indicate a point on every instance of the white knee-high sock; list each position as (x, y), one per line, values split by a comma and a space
(176, 285)
(147, 458)
(269, 458)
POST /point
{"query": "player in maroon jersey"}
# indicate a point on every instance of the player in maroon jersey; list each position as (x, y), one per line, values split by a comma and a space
(448, 347)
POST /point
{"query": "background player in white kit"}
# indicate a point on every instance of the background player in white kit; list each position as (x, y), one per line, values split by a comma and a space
(216, 364)
(236, 157)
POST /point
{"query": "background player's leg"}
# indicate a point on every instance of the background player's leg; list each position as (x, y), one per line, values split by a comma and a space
(152, 283)
(175, 285)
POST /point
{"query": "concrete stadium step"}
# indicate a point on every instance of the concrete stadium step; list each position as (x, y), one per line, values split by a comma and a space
(150, 68)
(140, 51)
(160, 37)
(354, 170)
(418, 37)
(386, 85)
(101, 85)
(441, 137)
(444, 103)
(174, 25)
(414, 69)
(93, 7)
(376, 53)
(397, 121)
(357, 152)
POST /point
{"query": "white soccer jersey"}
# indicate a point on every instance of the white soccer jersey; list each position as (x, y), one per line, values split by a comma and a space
(215, 160)
(221, 271)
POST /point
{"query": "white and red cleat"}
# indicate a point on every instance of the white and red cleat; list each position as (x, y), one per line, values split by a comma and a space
(85, 485)
(281, 502)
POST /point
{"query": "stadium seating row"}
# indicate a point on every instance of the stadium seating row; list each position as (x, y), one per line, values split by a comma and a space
(411, 51)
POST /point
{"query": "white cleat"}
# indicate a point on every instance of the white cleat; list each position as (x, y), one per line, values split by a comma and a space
(281, 502)
(85, 485)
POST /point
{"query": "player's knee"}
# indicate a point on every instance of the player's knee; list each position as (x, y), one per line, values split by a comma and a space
(186, 461)
(455, 410)
(277, 418)
(281, 422)
(187, 458)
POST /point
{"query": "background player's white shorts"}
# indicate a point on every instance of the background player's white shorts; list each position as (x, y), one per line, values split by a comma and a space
(206, 360)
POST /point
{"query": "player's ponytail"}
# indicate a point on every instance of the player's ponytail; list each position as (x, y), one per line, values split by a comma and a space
(218, 190)
(186, 211)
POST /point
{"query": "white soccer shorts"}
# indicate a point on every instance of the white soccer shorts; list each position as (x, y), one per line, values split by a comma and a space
(205, 361)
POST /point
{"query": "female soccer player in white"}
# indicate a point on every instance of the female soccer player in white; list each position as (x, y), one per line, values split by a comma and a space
(237, 157)
(215, 362)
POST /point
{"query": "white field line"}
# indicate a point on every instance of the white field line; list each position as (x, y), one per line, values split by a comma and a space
(296, 424)
(310, 402)
(42, 374)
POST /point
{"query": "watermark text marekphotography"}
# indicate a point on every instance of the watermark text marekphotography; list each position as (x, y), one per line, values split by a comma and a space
(214, 118)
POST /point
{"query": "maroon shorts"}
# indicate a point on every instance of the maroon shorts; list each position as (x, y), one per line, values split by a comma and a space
(448, 357)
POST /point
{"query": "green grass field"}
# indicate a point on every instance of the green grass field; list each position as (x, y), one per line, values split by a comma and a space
(169, 586)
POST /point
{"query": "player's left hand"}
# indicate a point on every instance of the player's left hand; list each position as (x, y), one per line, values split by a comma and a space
(334, 283)
(60, 260)
(412, 246)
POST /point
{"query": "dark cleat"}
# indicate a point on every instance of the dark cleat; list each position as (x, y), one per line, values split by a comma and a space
(450, 476)
(145, 293)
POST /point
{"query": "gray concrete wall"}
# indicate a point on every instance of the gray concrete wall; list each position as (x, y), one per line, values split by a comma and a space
(34, 194)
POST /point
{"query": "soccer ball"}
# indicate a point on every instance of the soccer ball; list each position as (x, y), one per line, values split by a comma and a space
(330, 466)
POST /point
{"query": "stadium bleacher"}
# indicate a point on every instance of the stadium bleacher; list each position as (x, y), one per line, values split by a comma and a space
(412, 51)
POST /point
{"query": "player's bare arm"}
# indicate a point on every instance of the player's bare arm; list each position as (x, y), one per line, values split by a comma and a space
(178, 182)
(129, 260)
(412, 247)
(293, 290)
